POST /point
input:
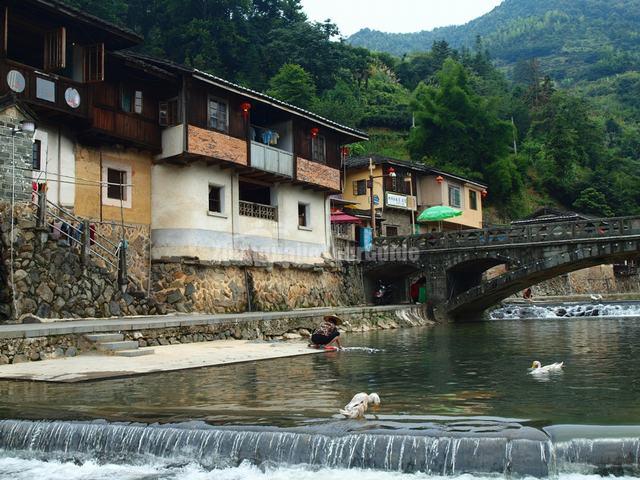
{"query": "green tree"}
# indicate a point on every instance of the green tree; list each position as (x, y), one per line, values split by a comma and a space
(593, 201)
(343, 103)
(293, 84)
(458, 129)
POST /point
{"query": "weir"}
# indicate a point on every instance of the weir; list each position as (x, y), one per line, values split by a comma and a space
(565, 310)
(522, 451)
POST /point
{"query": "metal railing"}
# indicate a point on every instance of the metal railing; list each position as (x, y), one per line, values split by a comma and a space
(81, 234)
(526, 234)
(258, 210)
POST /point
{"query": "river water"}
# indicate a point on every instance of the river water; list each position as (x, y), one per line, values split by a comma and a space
(442, 390)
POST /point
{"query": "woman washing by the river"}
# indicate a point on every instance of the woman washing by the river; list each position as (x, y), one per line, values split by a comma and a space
(327, 333)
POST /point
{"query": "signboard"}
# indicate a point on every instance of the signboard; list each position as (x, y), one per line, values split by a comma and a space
(397, 201)
(376, 200)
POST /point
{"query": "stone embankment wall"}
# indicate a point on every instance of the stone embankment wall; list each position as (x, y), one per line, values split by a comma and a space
(51, 282)
(194, 286)
(595, 280)
(14, 350)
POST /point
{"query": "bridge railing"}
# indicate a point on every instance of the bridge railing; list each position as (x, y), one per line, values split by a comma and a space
(507, 235)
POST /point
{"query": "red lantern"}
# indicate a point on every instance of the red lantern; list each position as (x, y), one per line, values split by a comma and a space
(391, 172)
(345, 151)
(245, 107)
(440, 179)
(484, 194)
(314, 132)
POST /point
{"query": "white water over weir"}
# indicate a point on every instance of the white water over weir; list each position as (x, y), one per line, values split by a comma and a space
(509, 452)
(566, 310)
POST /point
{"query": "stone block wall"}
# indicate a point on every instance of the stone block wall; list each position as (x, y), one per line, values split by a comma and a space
(16, 149)
(50, 280)
(193, 286)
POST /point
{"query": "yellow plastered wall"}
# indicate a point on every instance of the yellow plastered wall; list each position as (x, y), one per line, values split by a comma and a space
(363, 201)
(433, 194)
(88, 198)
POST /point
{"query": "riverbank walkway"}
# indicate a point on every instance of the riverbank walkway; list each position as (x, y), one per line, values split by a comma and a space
(95, 366)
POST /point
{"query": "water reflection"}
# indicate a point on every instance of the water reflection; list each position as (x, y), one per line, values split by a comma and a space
(463, 369)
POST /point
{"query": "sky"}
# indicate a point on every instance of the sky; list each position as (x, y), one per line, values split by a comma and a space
(396, 15)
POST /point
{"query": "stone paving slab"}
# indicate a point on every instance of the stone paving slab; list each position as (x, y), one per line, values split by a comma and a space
(163, 359)
(66, 327)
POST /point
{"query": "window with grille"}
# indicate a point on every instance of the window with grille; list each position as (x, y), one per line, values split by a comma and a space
(215, 199)
(218, 114)
(94, 63)
(55, 49)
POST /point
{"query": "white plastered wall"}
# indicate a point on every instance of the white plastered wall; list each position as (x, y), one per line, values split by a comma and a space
(183, 226)
(58, 164)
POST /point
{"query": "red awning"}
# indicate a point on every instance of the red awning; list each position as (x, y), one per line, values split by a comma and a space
(341, 217)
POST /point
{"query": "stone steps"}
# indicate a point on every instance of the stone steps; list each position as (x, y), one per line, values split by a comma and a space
(134, 353)
(104, 337)
(117, 346)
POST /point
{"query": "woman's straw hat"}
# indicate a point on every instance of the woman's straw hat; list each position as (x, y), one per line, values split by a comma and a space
(333, 318)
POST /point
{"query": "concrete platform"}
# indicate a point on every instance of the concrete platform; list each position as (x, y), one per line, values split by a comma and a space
(163, 359)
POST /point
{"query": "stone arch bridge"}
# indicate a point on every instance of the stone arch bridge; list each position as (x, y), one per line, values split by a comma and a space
(454, 263)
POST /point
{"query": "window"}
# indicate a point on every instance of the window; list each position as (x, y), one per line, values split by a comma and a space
(455, 198)
(303, 215)
(360, 187)
(392, 231)
(125, 100)
(169, 114)
(36, 154)
(254, 193)
(131, 100)
(55, 49)
(218, 118)
(137, 102)
(319, 149)
(94, 63)
(116, 184)
(215, 198)
(473, 200)
(116, 179)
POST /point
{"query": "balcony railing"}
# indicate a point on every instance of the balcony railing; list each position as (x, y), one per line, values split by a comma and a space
(271, 159)
(258, 210)
(43, 89)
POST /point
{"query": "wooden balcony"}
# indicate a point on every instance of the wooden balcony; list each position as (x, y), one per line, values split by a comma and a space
(47, 94)
(130, 127)
(271, 159)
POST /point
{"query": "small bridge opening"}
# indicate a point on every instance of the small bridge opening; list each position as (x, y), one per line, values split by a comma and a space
(467, 275)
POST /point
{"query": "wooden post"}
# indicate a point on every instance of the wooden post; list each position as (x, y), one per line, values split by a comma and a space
(122, 266)
(86, 242)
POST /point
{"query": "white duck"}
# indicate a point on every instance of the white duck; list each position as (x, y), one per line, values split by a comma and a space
(359, 404)
(537, 367)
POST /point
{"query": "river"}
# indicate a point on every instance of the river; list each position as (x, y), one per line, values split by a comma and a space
(447, 392)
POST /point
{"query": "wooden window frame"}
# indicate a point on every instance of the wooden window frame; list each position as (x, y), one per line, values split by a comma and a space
(93, 68)
(55, 49)
(316, 155)
(304, 219)
(167, 110)
(356, 188)
(127, 187)
(220, 101)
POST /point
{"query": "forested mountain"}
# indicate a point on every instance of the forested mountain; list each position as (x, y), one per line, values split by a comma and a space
(573, 39)
(559, 127)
